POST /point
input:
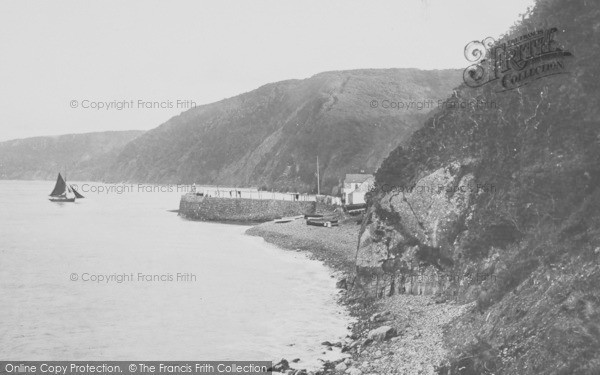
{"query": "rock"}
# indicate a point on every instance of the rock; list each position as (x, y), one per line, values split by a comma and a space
(378, 354)
(326, 343)
(367, 342)
(380, 316)
(382, 333)
(296, 360)
(338, 344)
(436, 214)
(350, 346)
(353, 371)
(281, 366)
(340, 367)
(342, 284)
(328, 365)
(348, 361)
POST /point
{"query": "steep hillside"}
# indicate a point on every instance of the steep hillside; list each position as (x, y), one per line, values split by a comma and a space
(271, 137)
(506, 200)
(82, 156)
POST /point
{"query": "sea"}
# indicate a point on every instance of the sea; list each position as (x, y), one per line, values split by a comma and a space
(120, 276)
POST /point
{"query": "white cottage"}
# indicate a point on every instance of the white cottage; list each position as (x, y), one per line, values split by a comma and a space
(356, 186)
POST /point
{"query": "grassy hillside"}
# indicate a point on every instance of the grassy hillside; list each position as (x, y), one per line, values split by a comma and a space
(271, 137)
(83, 156)
(538, 230)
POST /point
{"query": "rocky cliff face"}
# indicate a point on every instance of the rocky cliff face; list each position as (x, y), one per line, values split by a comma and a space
(415, 232)
(499, 206)
(271, 137)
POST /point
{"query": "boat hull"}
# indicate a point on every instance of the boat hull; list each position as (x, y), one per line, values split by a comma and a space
(313, 216)
(66, 200)
(322, 223)
(288, 219)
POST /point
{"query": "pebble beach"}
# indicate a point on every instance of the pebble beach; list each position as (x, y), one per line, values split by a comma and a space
(401, 334)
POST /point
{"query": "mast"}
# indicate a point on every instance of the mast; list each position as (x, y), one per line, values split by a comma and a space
(318, 178)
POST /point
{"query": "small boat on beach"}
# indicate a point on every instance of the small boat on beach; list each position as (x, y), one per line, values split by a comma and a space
(322, 223)
(283, 220)
(64, 192)
(355, 209)
(313, 216)
(287, 219)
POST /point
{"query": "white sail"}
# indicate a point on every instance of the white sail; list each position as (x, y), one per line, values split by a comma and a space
(68, 191)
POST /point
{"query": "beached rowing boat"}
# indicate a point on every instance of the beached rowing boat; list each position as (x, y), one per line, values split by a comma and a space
(288, 219)
(322, 223)
(313, 216)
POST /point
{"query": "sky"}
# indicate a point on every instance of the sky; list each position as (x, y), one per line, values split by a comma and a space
(60, 61)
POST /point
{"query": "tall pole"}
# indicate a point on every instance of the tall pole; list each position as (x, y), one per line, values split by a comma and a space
(318, 178)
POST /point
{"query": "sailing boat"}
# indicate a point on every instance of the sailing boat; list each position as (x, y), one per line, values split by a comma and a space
(64, 192)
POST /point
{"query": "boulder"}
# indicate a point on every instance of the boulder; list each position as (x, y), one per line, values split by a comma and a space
(340, 367)
(350, 346)
(281, 366)
(380, 316)
(382, 333)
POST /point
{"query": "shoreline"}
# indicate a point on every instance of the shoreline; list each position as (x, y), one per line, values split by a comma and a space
(333, 252)
(414, 325)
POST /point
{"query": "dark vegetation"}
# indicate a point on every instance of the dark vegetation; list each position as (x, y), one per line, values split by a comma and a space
(540, 148)
(271, 137)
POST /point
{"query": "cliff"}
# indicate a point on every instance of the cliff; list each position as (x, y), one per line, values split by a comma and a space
(271, 137)
(500, 204)
(81, 156)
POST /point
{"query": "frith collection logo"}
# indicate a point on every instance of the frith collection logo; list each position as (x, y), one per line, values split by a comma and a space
(516, 62)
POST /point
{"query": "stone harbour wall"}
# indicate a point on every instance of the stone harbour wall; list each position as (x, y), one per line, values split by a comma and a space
(204, 208)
